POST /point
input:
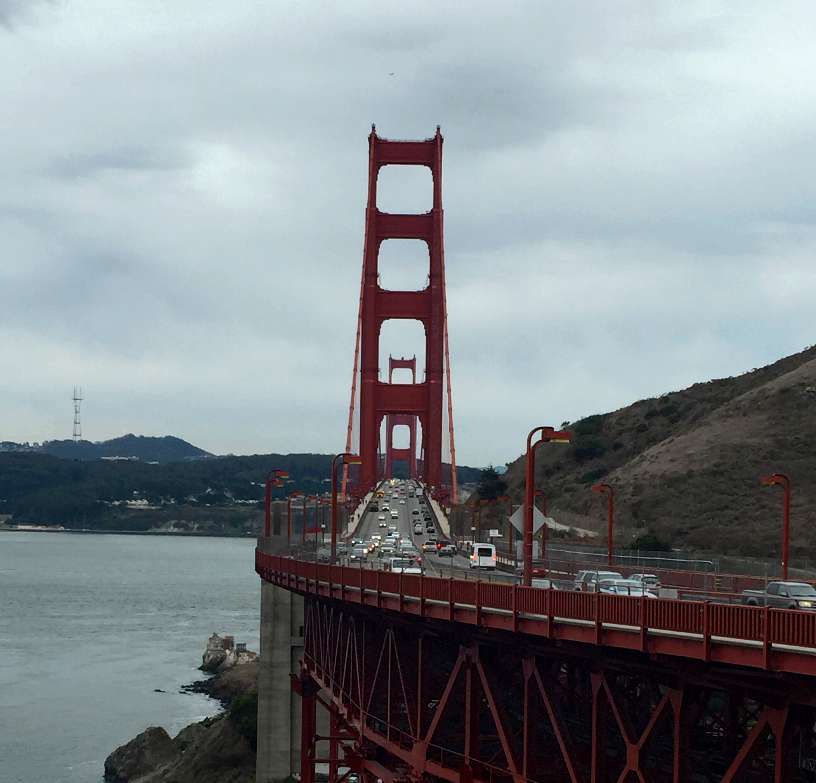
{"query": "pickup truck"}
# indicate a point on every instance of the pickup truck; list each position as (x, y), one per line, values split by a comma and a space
(782, 595)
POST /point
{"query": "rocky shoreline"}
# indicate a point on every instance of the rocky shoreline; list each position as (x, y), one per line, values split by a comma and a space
(220, 749)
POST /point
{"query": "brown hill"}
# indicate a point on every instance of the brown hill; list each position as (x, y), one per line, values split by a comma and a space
(686, 465)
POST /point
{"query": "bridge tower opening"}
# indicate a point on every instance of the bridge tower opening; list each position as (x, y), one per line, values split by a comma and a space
(418, 402)
(409, 454)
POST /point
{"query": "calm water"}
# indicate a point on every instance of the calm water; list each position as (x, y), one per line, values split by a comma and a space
(90, 625)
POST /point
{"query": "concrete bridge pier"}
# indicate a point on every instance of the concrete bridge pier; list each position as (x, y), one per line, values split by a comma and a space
(278, 754)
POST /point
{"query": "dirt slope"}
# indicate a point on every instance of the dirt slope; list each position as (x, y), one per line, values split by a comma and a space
(686, 465)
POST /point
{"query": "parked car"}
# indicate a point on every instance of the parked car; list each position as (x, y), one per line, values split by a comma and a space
(587, 581)
(624, 587)
(782, 595)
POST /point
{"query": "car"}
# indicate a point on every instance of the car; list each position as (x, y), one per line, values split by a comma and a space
(418, 529)
(386, 507)
(324, 555)
(483, 556)
(587, 581)
(381, 517)
(429, 546)
(415, 512)
(402, 501)
(446, 550)
(403, 565)
(382, 524)
(544, 584)
(395, 515)
(782, 595)
(387, 550)
(624, 587)
(649, 581)
(359, 552)
(392, 528)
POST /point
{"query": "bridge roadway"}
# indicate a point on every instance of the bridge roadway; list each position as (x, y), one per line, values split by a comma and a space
(431, 562)
(441, 677)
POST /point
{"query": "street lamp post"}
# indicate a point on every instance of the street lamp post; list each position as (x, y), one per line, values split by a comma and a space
(295, 494)
(548, 435)
(274, 479)
(782, 480)
(348, 459)
(306, 499)
(610, 516)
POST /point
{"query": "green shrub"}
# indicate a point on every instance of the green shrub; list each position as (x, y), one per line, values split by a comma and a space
(592, 476)
(243, 714)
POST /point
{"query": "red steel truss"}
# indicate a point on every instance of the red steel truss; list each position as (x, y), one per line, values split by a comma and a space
(422, 400)
(411, 697)
(396, 419)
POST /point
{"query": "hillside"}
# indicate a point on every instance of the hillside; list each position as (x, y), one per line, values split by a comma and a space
(142, 447)
(686, 465)
(219, 494)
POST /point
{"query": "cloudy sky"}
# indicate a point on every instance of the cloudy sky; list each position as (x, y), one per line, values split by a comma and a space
(629, 196)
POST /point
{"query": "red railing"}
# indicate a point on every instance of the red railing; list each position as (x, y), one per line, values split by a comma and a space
(744, 635)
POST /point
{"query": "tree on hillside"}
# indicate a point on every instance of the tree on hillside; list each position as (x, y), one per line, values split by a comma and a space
(491, 484)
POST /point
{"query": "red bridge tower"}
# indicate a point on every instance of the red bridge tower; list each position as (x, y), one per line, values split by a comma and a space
(417, 401)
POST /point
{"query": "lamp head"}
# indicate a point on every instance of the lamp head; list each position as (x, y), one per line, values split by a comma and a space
(773, 479)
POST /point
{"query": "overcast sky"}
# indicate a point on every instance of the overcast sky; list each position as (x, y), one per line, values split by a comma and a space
(629, 194)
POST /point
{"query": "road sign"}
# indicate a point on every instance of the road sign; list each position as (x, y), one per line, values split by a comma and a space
(517, 520)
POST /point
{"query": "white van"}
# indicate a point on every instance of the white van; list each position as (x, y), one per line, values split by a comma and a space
(483, 556)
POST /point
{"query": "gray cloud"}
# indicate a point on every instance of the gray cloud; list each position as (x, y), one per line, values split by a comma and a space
(629, 208)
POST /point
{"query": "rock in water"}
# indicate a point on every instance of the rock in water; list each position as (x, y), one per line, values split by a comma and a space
(216, 652)
(223, 653)
(143, 754)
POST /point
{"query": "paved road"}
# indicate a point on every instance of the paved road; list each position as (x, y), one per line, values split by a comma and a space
(432, 563)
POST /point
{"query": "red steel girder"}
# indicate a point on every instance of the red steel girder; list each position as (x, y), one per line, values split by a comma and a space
(423, 698)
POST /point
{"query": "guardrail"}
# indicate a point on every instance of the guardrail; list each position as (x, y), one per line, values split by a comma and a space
(771, 639)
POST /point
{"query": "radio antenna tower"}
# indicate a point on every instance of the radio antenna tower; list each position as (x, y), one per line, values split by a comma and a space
(77, 423)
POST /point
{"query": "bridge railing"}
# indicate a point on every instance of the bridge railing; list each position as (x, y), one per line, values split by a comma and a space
(748, 635)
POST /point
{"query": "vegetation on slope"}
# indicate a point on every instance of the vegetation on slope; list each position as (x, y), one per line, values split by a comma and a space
(686, 465)
(219, 494)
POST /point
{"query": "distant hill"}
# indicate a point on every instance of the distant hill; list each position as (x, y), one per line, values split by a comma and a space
(141, 447)
(218, 494)
(686, 465)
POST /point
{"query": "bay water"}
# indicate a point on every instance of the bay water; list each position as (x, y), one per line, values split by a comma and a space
(97, 635)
